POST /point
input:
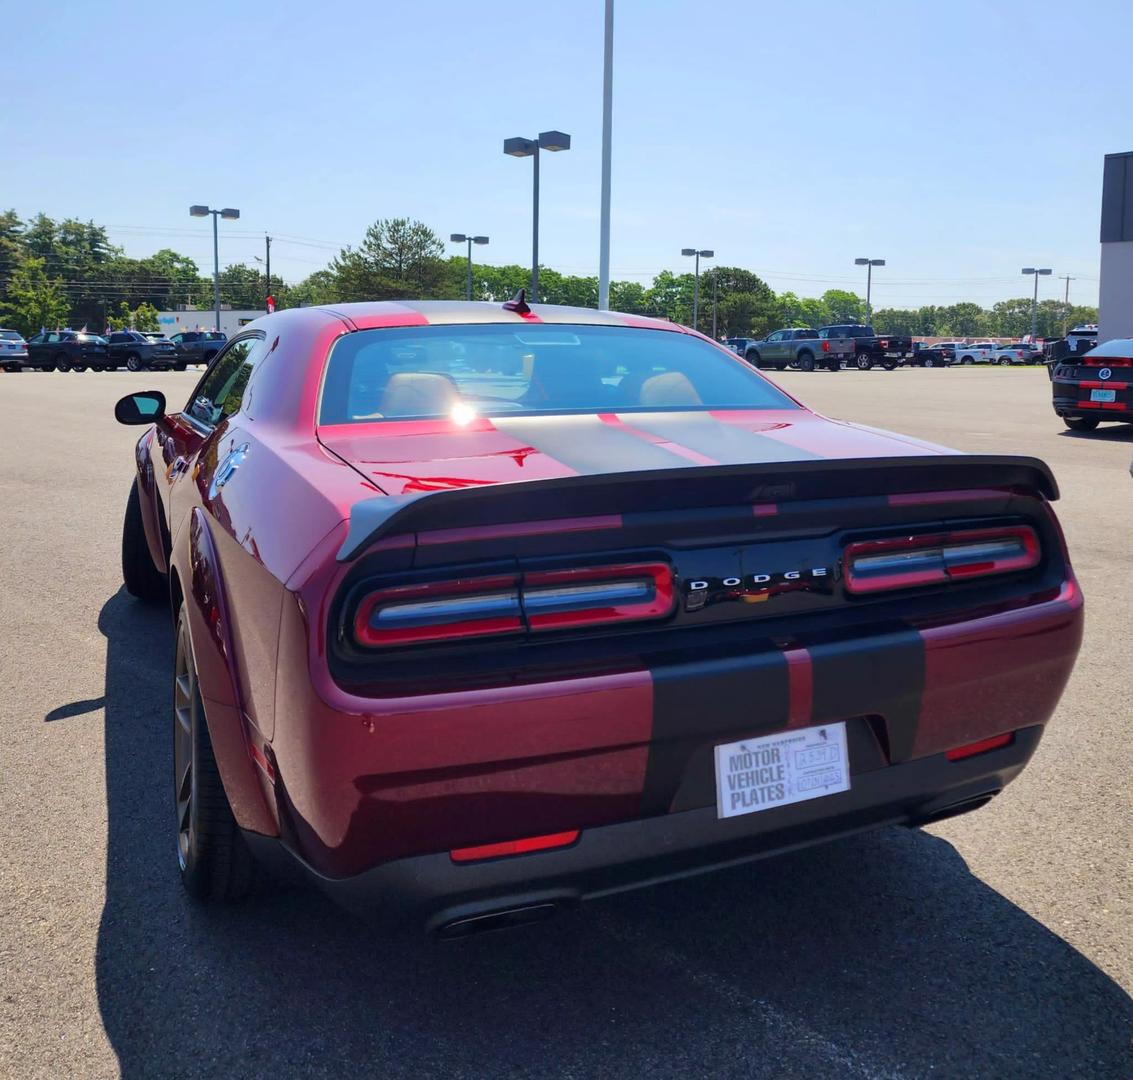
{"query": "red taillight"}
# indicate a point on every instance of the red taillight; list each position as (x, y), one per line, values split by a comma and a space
(911, 561)
(437, 611)
(826, 346)
(958, 753)
(561, 598)
(514, 847)
(513, 605)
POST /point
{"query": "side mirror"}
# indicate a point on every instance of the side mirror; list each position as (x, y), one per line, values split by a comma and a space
(144, 407)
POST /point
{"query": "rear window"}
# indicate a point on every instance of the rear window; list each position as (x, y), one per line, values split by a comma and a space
(9, 335)
(467, 371)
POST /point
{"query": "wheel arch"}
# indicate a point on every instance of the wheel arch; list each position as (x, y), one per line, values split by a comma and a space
(195, 579)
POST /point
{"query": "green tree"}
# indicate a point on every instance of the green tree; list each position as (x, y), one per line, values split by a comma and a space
(33, 299)
(628, 296)
(843, 306)
(145, 318)
(397, 258)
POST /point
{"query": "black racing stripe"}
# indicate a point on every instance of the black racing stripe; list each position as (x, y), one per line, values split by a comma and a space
(882, 675)
(587, 445)
(725, 443)
(698, 703)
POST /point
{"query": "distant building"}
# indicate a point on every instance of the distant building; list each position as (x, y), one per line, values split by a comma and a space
(171, 322)
(1115, 300)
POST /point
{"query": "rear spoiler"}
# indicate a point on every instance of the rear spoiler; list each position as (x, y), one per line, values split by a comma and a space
(686, 488)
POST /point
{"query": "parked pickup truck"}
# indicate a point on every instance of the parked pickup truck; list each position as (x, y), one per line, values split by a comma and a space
(887, 350)
(1020, 353)
(980, 352)
(197, 346)
(801, 347)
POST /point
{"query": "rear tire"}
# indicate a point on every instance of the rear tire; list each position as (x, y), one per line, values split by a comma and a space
(806, 361)
(753, 358)
(863, 363)
(142, 579)
(890, 365)
(1004, 361)
(1080, 423)
(214, 861)
(928, 362)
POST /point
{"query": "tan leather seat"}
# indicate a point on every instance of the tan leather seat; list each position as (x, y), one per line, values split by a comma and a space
(419, 393)
(671, 388)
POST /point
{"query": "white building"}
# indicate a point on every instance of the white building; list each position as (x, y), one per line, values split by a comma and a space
(231, 322)
(1115, 300)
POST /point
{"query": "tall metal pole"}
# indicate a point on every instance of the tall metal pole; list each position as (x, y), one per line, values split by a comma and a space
(607, 123)
(696, 291)
(215, 266)
(1066, 305)
(535, 231)
(267, 268)
(714, 275)
(470, 268)
(1035, 311)
(868, 289)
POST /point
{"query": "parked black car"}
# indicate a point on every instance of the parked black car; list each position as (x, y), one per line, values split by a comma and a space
(68, 350)
(13, 350)
(136, 351)
(197, 346)
(887, 350)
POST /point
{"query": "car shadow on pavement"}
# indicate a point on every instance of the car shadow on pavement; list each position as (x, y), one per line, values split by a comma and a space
(1113, 433)
(879, 955)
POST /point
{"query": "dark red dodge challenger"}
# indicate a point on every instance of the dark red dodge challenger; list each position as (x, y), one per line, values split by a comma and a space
(483, 610)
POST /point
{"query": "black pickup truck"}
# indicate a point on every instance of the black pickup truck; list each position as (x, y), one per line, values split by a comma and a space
(885, 350)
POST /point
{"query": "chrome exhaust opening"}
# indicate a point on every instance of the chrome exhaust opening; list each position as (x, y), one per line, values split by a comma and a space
(505, 919)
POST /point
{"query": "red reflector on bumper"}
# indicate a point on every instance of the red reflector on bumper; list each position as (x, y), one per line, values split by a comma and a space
(515, 847)
(957, 753)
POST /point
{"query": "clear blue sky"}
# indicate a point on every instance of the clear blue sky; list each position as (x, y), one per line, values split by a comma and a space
(960, 139)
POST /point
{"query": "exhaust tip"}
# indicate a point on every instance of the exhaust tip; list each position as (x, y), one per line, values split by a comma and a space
(954, 809)
(496, 920)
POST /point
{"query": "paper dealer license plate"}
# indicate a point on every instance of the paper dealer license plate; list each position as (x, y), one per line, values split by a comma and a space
(1103, 395)
(777, 770)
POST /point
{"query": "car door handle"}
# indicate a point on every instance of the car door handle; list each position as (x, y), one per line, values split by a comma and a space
(226, 468)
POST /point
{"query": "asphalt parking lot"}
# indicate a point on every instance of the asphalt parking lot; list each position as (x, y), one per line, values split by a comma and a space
(995, 945)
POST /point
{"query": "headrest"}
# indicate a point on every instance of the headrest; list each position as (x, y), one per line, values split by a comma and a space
(419, 393)
(671, 388)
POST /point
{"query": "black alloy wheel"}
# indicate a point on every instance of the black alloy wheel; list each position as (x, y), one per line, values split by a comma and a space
(1080, 423)
(214, 861)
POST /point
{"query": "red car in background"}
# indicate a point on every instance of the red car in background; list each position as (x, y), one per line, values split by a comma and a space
(483, 610)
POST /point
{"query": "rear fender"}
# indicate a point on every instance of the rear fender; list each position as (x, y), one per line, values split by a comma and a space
(247, 785)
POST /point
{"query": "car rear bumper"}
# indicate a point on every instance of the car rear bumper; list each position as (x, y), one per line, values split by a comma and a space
(451, 898)
(1073, 400)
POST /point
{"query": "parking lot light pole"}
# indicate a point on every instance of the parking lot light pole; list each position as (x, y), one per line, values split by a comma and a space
(704, 253)
(520, 147)
(461, 238)
(229, 215)
(1035, 300)
(869, 264)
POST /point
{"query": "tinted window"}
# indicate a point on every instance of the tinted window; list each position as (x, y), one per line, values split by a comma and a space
(777, 336)
(222, 389)
(490, 370)
(802, 335)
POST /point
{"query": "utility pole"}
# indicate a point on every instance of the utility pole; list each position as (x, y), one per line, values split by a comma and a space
(267, 270)
(1066, 303)
(714, 303)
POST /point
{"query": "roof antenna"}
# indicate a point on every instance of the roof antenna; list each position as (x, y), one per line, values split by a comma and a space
(518, 303)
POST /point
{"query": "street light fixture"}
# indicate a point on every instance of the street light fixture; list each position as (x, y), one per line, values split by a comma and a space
(229, 215)
(1035, 300)
(520, 147)
(706, 254)
(461, 238)
(869, 264)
